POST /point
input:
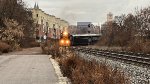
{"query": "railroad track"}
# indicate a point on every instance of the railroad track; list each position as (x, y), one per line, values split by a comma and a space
(140, 58)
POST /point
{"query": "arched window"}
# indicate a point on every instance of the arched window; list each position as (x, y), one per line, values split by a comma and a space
(37, 15)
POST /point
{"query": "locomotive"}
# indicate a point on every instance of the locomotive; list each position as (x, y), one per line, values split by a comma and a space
(65, 39)
(78, 39)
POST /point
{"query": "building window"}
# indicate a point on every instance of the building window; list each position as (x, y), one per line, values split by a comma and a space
(37, 15)
(37, 22)
(41, 21)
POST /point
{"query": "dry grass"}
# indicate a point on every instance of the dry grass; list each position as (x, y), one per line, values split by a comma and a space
(133, 46)
(143, 47)
(84, 72)
(146, 47)
(51, 47)
(81, 71)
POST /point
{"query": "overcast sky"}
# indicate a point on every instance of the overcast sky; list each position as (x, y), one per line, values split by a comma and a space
(87, 10)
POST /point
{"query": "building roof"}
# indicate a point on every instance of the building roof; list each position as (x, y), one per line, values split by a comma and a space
(86, 35)
(36, 6)
(83, 23)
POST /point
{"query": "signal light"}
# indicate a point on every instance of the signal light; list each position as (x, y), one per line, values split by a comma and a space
(65, 34)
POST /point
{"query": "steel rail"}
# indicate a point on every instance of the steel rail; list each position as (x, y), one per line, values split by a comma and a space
(139, 58)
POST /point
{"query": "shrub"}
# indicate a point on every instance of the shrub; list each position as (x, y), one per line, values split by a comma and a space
(4, 47)
(67, 64)
(34, 44)
(51, 47)
(44, 49)
(12, 33)
(135, 47)
(81, 71)
(139, 47)
(0, 53)
(146, 47)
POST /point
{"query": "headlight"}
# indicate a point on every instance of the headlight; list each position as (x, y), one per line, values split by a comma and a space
(67, 42)
(62, 42)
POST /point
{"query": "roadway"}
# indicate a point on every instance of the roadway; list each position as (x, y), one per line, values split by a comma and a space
(26, 67)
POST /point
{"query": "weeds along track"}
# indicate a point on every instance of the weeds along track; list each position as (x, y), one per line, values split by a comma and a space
(129, 57)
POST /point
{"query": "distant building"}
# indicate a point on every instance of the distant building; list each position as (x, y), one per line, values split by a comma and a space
(109, 17)
(84, 27)
(105, 26)
(47, 24)
(83, 24)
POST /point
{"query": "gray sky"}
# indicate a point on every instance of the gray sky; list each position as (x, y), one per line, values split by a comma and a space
(87, 10)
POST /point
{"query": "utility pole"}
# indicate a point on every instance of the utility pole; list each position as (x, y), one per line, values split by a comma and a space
(99, 28)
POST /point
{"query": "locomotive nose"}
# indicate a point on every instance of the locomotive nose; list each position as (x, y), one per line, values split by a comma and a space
(65, 39)
(64, 42)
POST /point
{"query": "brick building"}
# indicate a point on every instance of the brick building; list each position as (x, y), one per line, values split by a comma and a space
(48, 25)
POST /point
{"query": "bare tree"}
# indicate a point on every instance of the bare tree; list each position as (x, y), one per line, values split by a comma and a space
(13, 33)
(16, 10)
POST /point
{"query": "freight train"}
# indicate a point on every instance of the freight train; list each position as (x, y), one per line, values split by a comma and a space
(78, 39)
